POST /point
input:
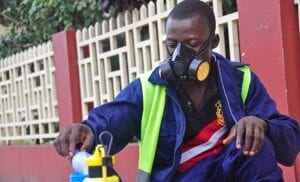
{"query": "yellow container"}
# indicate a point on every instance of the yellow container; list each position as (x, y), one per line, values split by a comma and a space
(100, 167)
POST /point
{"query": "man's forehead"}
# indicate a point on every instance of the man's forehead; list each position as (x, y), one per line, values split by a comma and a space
(196, 19)
(195, 22)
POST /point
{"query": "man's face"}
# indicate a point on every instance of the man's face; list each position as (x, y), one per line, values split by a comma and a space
(192, 32)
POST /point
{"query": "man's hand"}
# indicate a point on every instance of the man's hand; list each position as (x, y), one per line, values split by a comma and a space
(72, 135)
(249, 132)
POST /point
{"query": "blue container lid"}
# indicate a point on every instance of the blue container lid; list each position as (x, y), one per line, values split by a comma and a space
(76, 177)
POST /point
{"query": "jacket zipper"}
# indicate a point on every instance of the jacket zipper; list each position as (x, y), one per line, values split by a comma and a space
(173, 168)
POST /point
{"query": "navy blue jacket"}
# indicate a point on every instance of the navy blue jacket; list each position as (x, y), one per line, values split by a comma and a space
(123, 115)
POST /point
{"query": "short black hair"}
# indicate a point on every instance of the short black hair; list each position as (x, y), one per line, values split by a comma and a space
(191, 8)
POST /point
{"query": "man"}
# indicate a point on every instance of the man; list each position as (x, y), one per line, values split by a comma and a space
(207, 132)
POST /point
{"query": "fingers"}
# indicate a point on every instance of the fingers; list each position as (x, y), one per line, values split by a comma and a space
(86, 138)
(257, 142)
(239, 135)
(61, 142)
(248, 137)
(87, 142)
(66, 142)
(57, 147)
(73, 140)
(250, 134)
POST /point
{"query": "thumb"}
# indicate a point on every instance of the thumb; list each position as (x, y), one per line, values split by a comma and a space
(230, 137)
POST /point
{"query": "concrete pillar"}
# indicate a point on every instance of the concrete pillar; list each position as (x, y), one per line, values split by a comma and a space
(269, 40)
(67, 77)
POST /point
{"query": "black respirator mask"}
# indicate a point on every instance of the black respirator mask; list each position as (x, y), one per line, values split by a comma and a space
(184, 64)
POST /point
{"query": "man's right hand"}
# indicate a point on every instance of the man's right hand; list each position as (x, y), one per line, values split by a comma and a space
(72, 135)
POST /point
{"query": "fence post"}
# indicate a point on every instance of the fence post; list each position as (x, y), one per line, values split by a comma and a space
(67, 77)
(269, 40)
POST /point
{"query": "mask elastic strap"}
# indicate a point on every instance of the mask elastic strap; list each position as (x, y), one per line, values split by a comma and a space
(209, 40)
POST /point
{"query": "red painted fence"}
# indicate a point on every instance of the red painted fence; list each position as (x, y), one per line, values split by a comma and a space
(42, 164)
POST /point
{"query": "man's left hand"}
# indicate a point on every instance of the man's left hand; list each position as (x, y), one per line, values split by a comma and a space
(249, 133)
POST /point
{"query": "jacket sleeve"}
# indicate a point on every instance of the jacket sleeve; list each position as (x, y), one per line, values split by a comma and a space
(121, 117)
(283, 131)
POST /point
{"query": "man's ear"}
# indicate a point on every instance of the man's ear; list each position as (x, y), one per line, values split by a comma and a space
(215, 41)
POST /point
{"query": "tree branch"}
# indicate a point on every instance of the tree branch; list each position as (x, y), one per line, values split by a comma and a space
(14, 21)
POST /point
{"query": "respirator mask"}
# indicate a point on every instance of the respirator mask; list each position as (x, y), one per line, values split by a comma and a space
(185, 64)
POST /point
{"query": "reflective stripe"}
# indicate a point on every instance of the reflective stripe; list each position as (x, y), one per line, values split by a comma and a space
(154, 99)
(246, 82)
(193, 152)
